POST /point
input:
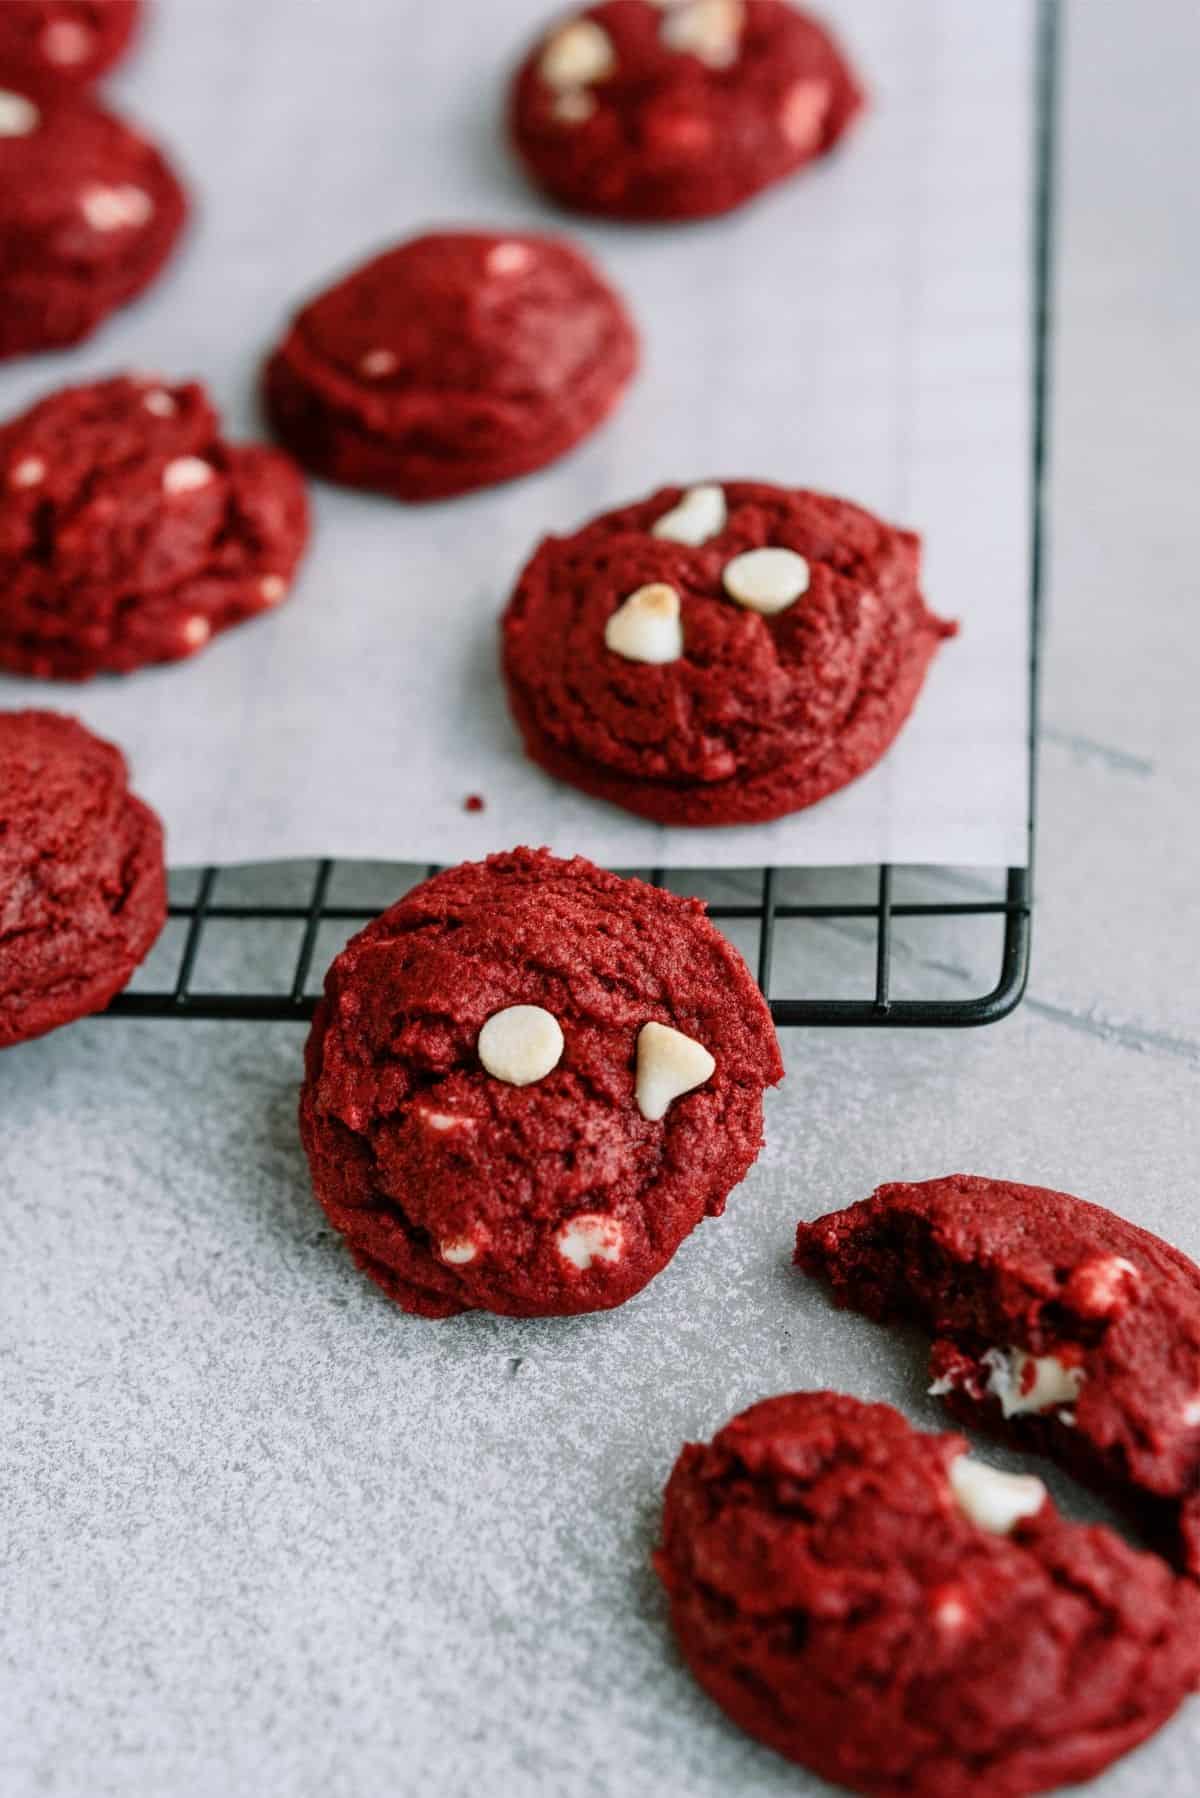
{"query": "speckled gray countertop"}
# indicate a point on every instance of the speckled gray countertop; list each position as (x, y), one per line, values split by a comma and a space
(262, 1533)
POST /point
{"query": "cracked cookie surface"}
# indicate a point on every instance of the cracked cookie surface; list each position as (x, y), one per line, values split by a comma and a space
(543, 1188)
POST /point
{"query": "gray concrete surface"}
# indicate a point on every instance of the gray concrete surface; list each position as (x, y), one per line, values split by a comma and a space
(261, 1533)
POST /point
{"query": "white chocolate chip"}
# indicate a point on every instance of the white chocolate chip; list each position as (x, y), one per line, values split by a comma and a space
(115, 208)
(457, 1250)
(1098, 1286)
(186, 474)
(196, 631)
(582, 52)
(950, 1613)
(444, 1122)
(709, 29)
(647, 627)
(65, 42)
(18, 116)
(574, 106)
(802, 115)
(521, 1044)
(28, 472)
(377, 363)
(159, 402)
(669, 1064)
(699, 515)
(271, 589)
(766, 580)
(1191, 1413)
(1030, 1383)
(995, 1500)
(509, 259)
(590, 1237)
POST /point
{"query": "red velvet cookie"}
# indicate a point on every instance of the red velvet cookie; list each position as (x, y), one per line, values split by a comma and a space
(451, 362)
(527, 1083)
(907, 1621)
(130, 531)
(646, 110)
(83, 890)
(1055, 1323)
(722, 655)
(89, 212)
(48, 45)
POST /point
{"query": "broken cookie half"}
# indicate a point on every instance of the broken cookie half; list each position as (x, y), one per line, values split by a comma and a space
(1056, 1323)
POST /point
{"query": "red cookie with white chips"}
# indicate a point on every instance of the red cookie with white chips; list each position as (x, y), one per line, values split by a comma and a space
(131, 532)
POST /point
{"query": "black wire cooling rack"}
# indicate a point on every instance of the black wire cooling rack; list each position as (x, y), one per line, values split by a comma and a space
(878, 921)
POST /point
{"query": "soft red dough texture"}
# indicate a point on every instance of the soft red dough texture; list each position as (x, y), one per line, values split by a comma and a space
(671, 137)
(760, 716)
(83, 888)
(499, 353)
(61, 275)
(830, 1594)
(49, 45)
(102, 569)
(413, 1144)
(984, 1264)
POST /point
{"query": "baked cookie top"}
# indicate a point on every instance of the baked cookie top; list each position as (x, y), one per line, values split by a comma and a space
(528, 1081)
(82, 881)
(907, 1620)
(131, 532)
(450, 361)
(47, 45)
(722, 653)
(649, 110)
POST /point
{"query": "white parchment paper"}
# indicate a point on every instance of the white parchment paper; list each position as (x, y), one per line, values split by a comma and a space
(864, 329)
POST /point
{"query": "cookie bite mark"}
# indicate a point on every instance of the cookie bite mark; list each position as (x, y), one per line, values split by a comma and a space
(470, 1075)
(132, 532)
(1058, 1324)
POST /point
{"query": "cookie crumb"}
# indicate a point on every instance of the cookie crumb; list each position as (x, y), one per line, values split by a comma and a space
(474, 802)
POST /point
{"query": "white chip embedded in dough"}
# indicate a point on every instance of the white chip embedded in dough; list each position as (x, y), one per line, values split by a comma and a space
(1030, 1383)
(582, 52)
(995, 1500)
(803, 113)
(647, 628)
(588, 1238)
(574, 106)
(699, 515)
(159, 403)
(509, 259)
(115, 208)
(271, 589)
(709, 29)
(521, 1044)
(377, 363)
(196, 631)
(767, 580)
(66, 43)
(669, 1064)
(458, 1250)
(186, 474)
(28, 472)
(18, 116)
